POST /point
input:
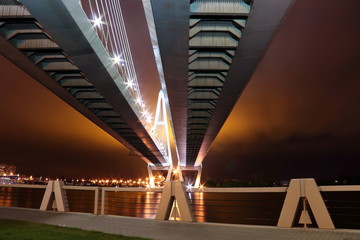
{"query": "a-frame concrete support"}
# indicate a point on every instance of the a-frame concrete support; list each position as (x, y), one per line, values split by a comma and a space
(175, 191)
(55, 195)
(161, 132)
(304, 189)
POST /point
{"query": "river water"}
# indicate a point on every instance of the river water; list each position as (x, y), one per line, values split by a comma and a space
(235, 208)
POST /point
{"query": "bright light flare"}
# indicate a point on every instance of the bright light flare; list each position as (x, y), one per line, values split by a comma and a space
(97, 22)
(118, 60)
(148, 118)
(130, 84)
(145, 113)
(138, 101)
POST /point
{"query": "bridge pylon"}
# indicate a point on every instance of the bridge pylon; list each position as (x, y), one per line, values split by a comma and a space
(160, 132)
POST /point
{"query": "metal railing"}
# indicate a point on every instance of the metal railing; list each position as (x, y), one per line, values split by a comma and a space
(343, 204)
(256, 205)
(21, 195)
(80, 200)
(134, 202)
(259, 206)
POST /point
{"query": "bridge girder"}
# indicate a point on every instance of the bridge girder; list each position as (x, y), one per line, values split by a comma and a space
(209, 51)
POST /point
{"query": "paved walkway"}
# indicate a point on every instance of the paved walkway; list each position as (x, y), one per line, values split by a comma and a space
(169, 230)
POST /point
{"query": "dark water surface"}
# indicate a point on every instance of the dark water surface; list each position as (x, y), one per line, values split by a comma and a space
(236, 208)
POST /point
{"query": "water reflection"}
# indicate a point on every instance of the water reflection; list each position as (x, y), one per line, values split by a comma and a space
(198, 206)
(133, 204)
(21, 197)
(6, 197)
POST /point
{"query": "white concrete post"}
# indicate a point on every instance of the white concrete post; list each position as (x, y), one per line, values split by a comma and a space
(304, 188)
(175, 191)
(96, 201)
(102, 201)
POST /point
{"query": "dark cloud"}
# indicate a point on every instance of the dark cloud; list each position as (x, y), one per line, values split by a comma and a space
(299, 115)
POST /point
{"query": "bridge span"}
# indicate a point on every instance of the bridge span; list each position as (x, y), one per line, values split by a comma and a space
(206, 52)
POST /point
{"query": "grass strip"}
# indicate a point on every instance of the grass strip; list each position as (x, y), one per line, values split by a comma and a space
(20, 230)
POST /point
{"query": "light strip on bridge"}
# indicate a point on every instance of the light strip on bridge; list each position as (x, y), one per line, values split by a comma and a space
(109, 24)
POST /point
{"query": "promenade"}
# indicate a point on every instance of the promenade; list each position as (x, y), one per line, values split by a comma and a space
(170, 230)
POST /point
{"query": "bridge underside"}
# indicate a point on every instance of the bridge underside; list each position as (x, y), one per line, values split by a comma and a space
(209, 51)
(54, 42)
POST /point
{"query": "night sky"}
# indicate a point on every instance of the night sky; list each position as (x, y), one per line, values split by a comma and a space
(298, 117)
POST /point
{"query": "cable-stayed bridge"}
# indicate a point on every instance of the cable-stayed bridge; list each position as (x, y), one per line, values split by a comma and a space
(206, 51)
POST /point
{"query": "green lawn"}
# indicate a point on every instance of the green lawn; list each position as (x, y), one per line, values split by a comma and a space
(19, 230)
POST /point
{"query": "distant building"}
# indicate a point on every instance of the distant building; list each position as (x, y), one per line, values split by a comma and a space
(6, 170)
(284, 183)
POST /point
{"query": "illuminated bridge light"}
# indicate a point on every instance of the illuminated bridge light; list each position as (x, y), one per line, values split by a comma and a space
(118, 60)
(148, 118)
(130, 84)
(138, 101)
(114, 38)
(97, 22)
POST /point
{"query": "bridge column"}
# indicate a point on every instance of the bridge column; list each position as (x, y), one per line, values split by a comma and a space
(304, 189)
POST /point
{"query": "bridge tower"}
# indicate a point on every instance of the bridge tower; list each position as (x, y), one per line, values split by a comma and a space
(161, 133)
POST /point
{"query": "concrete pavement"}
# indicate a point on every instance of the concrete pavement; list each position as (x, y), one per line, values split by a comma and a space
(170, 230)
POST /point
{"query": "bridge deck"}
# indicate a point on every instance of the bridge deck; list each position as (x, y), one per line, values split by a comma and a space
(171, 230)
